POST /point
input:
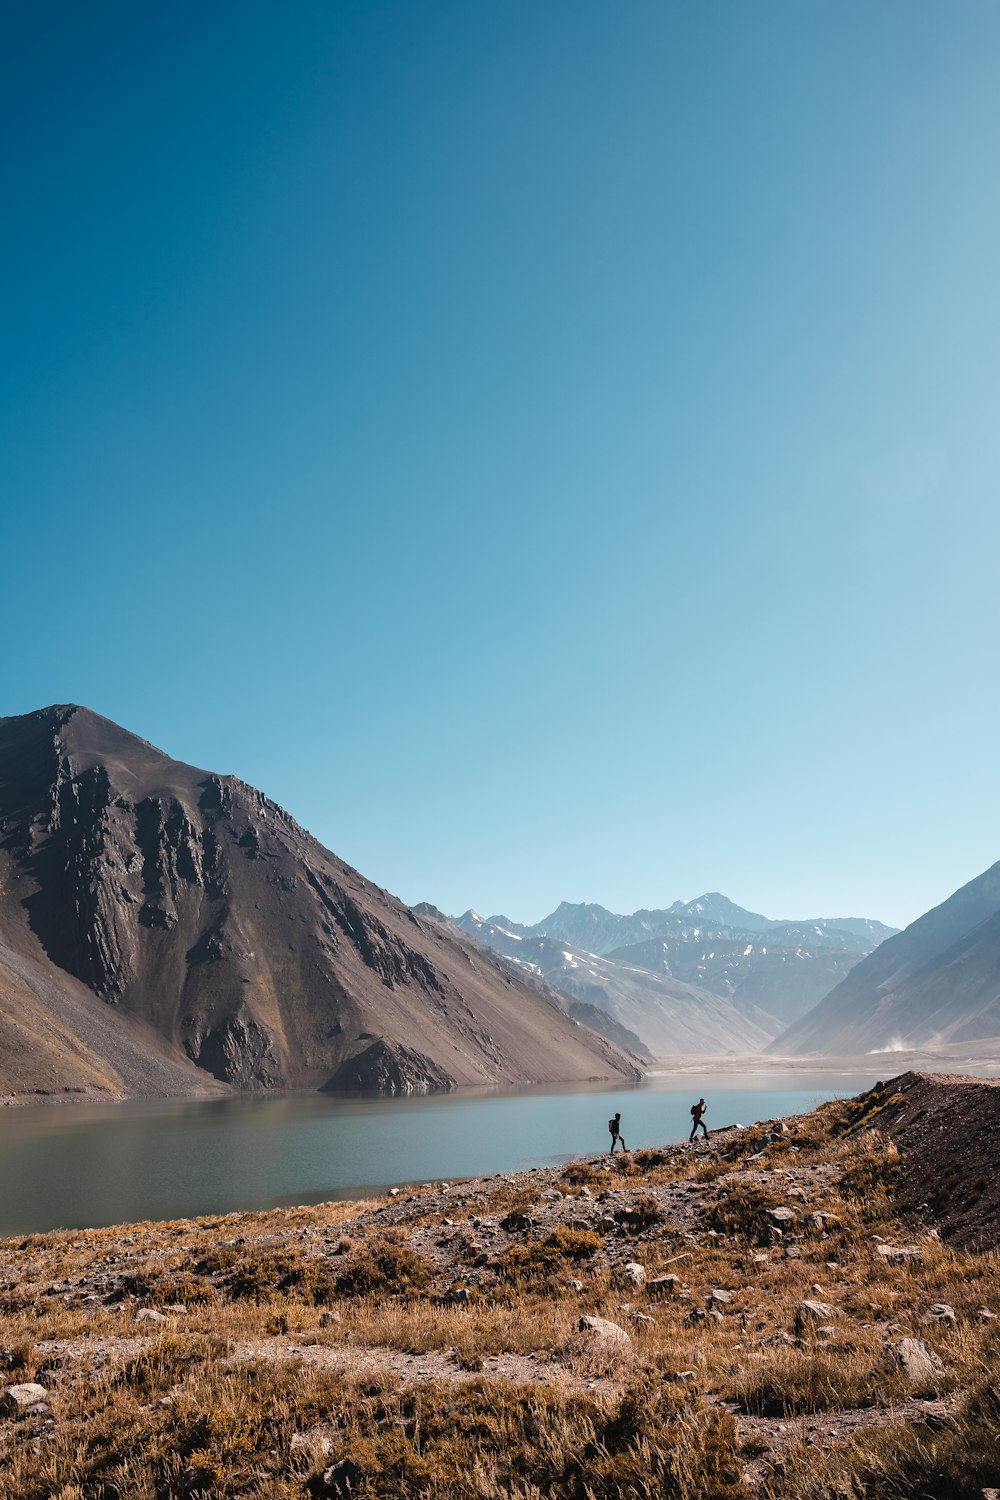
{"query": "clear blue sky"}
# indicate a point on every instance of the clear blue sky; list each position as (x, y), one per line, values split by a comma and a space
(552, 448)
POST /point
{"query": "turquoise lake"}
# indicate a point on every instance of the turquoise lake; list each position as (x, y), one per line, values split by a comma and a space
(85, 1165)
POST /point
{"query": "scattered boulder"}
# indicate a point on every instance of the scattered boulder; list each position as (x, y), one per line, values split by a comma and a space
(810, 1314)
(719, 1298)
(898, 1255)
(941, 1312)
(917, 1360)
(782, 1217)
(634, 1273)
(604, 1332)
(23, 1400)
(151, 1315)
(664, 1286)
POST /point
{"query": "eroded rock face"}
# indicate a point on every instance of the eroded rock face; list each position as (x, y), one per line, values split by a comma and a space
(199, 907)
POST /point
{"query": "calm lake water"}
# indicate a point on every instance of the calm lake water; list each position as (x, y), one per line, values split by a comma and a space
(79, 1166)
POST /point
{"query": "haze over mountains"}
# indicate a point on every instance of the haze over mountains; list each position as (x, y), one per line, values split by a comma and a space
(934, 984)
(166, 930)
(696, 977)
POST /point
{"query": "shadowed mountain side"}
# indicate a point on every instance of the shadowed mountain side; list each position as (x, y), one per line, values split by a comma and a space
(936, 982)
(197, 908)
(593, 1016)
(56, 1038)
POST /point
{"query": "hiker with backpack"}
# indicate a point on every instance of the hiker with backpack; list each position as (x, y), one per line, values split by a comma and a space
(614, 1126)
(697, 1113)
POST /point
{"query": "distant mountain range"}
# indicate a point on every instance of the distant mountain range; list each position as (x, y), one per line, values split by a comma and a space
(696, 977)
(165, 930)
(935, 983)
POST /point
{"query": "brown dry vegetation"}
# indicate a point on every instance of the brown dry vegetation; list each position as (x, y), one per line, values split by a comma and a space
(440, 1351)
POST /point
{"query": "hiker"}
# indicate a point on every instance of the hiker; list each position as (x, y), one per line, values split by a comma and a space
(697, 1111)
(615, 1126)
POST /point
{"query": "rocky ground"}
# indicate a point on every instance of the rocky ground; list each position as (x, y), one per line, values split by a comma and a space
(754, 1317)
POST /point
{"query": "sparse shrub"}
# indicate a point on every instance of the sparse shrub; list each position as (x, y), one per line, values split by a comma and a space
(256, 1274)
(641, 1215)
(388, 1267)
(870, 1173)
(580, 1174)
(740, 1210)
(550, 1255)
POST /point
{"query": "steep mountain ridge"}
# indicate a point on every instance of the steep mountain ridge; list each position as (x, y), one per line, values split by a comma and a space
(937, 982)
(207, 917)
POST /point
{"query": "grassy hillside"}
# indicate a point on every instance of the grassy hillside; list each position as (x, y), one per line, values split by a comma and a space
(757, 1299)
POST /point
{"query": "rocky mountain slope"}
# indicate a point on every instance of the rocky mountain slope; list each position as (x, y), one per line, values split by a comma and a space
(937, 982)
(164, 928)
(663, 973)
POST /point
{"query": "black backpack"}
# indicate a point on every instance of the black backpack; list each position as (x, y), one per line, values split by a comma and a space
(613, 1126)
(694, 1109)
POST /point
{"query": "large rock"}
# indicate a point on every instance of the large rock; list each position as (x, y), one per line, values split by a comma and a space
(810, 1314)
(17, 1400)
(633, 1273)
(917, 1360)
(604, 1332)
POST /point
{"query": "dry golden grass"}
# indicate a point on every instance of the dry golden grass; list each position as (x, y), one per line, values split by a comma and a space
(306, 1324)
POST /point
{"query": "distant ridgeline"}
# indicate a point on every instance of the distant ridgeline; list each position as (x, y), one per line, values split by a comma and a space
(698, 977)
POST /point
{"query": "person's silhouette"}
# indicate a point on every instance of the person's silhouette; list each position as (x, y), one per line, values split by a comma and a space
(697, 1113)
(614, 1126)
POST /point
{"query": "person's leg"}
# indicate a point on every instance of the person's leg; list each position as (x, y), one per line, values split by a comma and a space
(691, 1136)
(704, 1128)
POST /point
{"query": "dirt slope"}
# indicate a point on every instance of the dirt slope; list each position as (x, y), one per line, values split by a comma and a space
(947, 1129)
(217, 932)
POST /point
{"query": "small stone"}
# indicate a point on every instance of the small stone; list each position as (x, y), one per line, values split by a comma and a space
(553, 1195)
(781, 1216)
(585, 1192)
(307, 1442)
(719, 1298)
(27, 1399)
(331, 1315)
(151, 1315)
(680, 1375)
(394, 1192)
(941, 1312)
(634, 1273)
(983, 1315)
(898, 1255)
(575, 1284)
